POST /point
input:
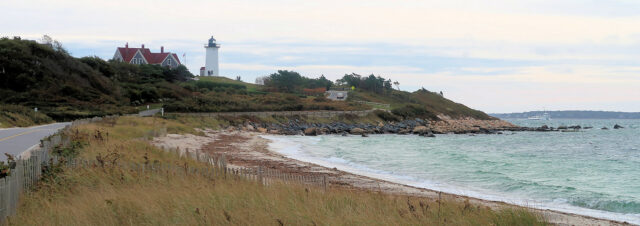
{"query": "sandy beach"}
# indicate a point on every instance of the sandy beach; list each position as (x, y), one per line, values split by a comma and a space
(248, 149)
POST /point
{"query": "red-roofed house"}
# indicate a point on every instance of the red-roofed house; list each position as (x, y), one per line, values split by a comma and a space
(145, 56)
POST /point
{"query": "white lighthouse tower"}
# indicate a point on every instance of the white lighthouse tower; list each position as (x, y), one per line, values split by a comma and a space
(211, 63)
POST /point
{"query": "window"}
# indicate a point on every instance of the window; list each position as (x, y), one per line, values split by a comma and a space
(169, 61)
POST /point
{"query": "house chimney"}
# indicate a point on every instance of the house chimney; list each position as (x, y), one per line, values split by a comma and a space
(143, 46)
(126, 46)
(161, 49)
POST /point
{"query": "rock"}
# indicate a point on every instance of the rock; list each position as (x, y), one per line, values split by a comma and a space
(420, 130)
(404, 131)
(365, 135)
(618, 127)
(274, 131)
(588, 127)
(357, 131)
(249, 127)
(605, 128)
(311, 131)
(544, 127)
(380, 124)
(344, 134)
(262, 130)
(562, 127)
(430, 134)
(231, 128)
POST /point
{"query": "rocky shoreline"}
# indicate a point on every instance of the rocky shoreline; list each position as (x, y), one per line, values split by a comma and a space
(414, 126)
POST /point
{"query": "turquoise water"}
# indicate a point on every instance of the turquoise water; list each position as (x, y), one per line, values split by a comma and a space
(595, 172)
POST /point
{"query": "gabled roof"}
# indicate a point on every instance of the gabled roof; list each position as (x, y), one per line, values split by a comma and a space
(152, 58)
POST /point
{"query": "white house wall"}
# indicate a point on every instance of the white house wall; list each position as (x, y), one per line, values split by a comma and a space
(118, 56)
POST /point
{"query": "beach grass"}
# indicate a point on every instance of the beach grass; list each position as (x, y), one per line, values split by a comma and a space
(117, 196)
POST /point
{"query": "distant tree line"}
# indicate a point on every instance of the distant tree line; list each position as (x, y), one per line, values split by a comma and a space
(371, 83)
(293, 82)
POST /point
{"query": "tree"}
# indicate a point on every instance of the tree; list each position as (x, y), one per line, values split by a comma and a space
(387, 84)
(397, 84)
(284, 81)
(238, 78)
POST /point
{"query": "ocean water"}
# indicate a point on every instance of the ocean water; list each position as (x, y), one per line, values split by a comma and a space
(594, 172)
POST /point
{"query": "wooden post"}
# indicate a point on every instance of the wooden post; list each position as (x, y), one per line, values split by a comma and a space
(324, 182)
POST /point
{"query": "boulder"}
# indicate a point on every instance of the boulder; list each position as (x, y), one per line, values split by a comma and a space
(365, 135)
(618, 127)
(274, 131)
(430, 134)
(544, 127)
(357, 131)
(605, 128)
(261, 130)
(249, 127)
(404, 131)
(420, 129)
(562, 127)
(344, 134)
(311, 131)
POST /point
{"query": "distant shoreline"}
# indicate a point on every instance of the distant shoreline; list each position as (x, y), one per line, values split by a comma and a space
(570, 115)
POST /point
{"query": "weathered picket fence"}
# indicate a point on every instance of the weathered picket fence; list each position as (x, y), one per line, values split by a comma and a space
(26, 171)
(263, 175)
(25, 174)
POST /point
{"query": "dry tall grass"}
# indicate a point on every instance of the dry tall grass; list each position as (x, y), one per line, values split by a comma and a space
(115, 196)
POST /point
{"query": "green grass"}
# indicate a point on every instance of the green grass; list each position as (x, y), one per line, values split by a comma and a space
(219, 79)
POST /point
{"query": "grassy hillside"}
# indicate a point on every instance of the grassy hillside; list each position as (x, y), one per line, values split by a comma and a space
(15, 115)
(64, 88)
(115, 196)
(419, 103)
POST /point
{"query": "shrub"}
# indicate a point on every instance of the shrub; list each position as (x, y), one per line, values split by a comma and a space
(414, 110)
(385, 115)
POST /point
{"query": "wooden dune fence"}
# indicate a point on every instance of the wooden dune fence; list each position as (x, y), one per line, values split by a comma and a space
(263, 175)
(27, 171)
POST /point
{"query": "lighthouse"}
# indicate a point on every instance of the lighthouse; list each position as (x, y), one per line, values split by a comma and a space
(211, 63)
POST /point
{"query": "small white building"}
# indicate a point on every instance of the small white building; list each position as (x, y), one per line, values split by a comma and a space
(211, 62)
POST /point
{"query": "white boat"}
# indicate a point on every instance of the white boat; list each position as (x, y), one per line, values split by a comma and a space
(537, 117)
(544, 116)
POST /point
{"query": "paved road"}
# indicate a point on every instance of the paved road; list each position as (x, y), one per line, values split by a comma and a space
(17, 140)
(333, 94)
(147, 113)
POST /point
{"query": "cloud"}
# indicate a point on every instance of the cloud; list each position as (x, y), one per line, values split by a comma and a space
(501, 55)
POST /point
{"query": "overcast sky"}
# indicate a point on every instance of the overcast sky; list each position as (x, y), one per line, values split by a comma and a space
(495, 56)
